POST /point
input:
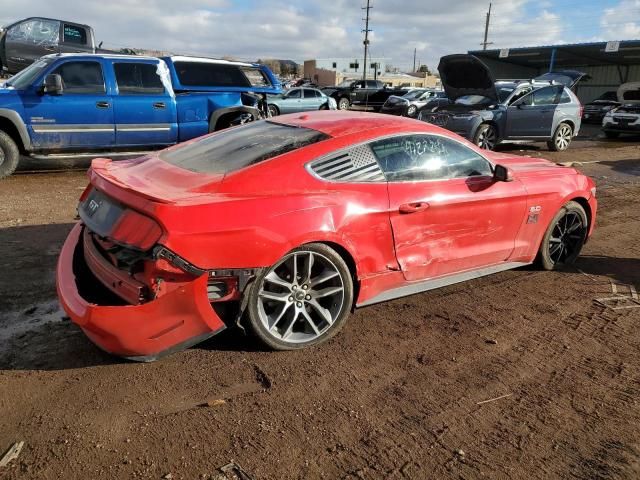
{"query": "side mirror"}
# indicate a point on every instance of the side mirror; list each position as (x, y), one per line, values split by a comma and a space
(502, 174)
(53, 84)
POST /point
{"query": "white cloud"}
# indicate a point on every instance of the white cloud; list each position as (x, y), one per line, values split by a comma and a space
(615, 21)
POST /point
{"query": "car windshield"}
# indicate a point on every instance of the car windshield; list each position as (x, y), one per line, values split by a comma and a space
(609, 96)
(504, 92)
(473, 100)
(25, 78)
(240, 147)
(413, 94)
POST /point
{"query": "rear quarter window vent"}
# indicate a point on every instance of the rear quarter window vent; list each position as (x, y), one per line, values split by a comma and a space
(357, 164)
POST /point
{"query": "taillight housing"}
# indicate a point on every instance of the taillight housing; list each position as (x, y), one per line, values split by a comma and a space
(136, 230)
(581, 110)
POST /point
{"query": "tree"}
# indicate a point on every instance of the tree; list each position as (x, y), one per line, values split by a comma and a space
(424, 69)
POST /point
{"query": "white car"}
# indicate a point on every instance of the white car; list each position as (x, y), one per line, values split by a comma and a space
(626, 117)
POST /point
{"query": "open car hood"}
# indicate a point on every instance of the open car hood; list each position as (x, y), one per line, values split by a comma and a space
(466, 75)
(568, 78)
(629, 93)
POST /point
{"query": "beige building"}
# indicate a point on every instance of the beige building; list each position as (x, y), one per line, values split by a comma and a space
(326, 78)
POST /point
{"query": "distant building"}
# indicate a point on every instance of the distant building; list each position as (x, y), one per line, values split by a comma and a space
(347, 66)
(316, 71)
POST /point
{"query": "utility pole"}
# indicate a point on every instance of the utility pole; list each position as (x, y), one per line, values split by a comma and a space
(414, 59)
(486, 30)
(366, 37)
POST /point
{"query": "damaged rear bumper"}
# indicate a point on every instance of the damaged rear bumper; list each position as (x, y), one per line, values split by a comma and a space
(143, 332)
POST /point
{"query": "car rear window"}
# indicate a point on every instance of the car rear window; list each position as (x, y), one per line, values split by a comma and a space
(205, 74)
(240, 147)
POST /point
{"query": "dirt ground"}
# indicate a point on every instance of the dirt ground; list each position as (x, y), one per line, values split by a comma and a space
(397, 394)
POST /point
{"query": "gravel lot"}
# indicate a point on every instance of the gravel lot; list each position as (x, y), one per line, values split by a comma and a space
(398, 394)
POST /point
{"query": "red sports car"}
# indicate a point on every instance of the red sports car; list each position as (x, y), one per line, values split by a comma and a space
(285, 225)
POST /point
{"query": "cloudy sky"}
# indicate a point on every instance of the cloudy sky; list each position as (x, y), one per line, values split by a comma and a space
(304, 29)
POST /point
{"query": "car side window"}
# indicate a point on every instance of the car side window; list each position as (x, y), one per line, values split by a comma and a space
(295, 93)
(519, 95)
(73, 34)
(317, 93)
(309, 93)
(81, 77)
(372, 84)
(138, 78)
(428, 157)
(546, 96)
(565, 97)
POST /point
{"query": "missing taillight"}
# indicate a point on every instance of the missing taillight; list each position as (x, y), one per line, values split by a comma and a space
(136, 230)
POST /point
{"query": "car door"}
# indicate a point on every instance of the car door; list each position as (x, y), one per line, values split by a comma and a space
(29, 40)
(309, 99)
(293, 101)
(74, 38)
(144, 107)
(532, 115)
(447, 213)
(81, 117)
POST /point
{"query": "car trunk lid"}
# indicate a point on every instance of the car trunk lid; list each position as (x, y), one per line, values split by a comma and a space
(568, 78)
(466, 75)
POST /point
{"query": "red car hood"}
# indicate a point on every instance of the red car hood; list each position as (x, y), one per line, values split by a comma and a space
(526, 165)
(154, 179)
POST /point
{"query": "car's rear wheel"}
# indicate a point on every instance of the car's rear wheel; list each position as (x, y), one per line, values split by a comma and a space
(302, 300)
(561, 138)
(486, 137)
(564, 237)
(324, 106)
(9, 155)
(344, 104)
(273, 111)
(611, 134)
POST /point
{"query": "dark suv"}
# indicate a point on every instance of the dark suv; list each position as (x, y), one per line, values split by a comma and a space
(487, 112)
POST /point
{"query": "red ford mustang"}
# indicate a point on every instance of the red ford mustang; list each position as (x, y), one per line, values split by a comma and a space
(286, 225)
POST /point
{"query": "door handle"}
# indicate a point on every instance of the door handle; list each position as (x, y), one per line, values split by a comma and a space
(413, 207)
(102, 104)
(50, 48)
(159, 105)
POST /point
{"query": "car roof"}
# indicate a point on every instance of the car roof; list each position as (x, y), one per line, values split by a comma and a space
(341, 123)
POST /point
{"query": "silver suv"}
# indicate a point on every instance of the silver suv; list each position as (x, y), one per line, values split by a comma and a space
(487, 112)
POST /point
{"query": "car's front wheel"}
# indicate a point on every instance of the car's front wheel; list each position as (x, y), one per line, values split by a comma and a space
(564, 237)
(561, 138)
(411, 111)
(486, 137)
(273, 111)
(302, 300)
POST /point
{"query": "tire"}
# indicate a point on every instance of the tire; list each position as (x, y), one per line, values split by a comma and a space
(9, 155)
(344, 104)
(274, 111)
(564, 238)
(486, 137)
(288, 314)
(612, 135)
(561, 138)
(411, 111)
(324, 106)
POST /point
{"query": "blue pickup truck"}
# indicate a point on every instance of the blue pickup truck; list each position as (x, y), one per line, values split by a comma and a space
(89, 105)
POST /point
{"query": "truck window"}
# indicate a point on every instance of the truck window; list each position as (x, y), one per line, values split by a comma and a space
(37, 31)
(138, 78)
(81, 77)
(73, 34)
(205, 74)
(256, 77)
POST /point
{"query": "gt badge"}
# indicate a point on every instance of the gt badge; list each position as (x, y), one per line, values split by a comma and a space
(534, 213)
(92, 207)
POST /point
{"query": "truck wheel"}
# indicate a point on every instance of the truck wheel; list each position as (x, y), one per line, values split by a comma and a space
(561, 138)
(9, 155)
(344, 104)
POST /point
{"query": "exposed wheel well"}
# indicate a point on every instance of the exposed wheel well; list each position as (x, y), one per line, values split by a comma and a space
(584, 204)
(570, 123)
(10, 129)
(273, 105)
(351, 264)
